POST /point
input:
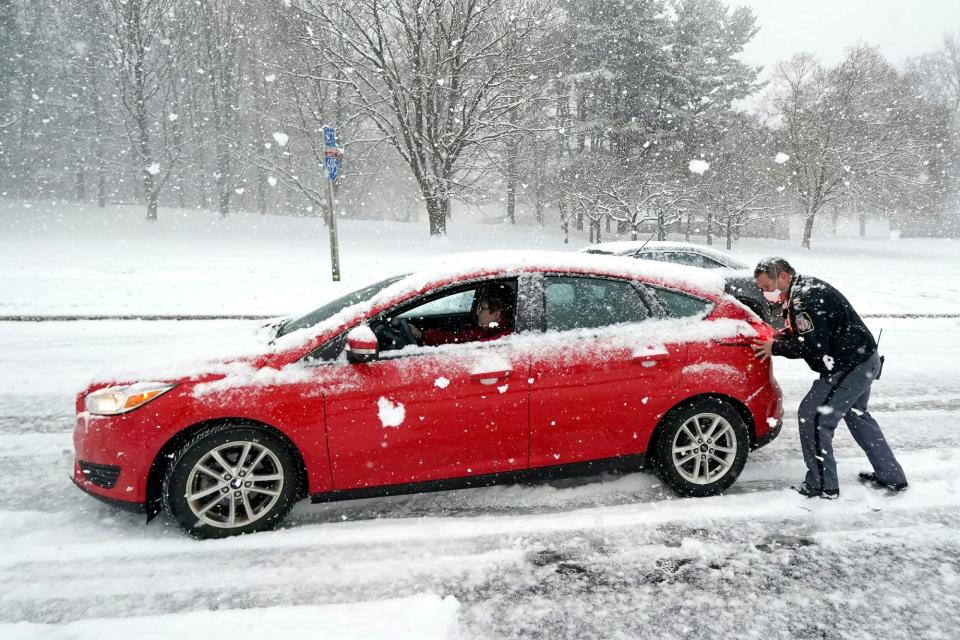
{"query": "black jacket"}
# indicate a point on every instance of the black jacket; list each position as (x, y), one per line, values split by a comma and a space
(822, 328)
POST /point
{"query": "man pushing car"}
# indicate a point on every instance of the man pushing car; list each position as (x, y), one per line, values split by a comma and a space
(822, 327)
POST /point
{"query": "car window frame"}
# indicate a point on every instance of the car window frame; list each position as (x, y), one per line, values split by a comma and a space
(653, 305)
(332, 350)
(710, 304)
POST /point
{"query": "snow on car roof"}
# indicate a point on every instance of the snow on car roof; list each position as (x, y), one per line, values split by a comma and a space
(624, 246)
(467, 265)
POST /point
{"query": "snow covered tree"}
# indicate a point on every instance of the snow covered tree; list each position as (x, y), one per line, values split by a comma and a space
(844, 129)
(435, 77)
(739, 188)
(141, 40)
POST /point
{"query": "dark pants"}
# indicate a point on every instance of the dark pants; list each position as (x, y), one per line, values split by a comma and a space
(843, 395)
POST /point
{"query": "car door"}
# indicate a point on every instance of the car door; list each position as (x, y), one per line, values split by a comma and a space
(428, 413)
(598, 386)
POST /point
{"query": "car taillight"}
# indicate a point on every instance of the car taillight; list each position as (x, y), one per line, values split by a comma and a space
(764, 332)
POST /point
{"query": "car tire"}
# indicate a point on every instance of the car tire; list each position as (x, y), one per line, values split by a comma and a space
(229, 480)
(701, 447)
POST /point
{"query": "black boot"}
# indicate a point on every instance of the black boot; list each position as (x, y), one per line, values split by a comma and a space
(809, 492)
(871, 478)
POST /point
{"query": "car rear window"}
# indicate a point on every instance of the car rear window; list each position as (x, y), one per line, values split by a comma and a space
(681, 305)
(585, 303)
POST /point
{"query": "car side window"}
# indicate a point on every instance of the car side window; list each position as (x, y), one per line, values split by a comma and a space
(691, 259)
(481, 312)
(455, 303)
(651, 255)
(573, 302)
(681, 305)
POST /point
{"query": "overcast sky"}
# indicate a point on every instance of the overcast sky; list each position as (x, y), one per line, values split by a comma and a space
(901, 28)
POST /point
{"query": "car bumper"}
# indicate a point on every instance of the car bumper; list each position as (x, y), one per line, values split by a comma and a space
(768, 437)
(91, 489)
(113, 455)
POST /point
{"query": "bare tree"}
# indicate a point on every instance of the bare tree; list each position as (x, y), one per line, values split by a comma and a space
(437, 78)
(844, 130)
(140, 49)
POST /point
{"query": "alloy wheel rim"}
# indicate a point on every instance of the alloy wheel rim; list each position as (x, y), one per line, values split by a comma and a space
(234, 484)
(704, 448)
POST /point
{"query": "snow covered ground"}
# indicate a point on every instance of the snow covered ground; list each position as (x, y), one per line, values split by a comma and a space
(611, 557)
(62, 259)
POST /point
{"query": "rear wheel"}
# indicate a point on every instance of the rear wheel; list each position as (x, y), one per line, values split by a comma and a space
(229, 480)
(702, 447)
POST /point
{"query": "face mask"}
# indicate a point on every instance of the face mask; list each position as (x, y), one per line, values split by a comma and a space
(772, 296)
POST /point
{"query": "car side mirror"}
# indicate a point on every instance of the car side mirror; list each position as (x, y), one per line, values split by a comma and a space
(362, 345)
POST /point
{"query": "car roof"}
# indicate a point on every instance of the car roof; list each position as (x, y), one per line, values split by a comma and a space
(630, 246)
(465, 266)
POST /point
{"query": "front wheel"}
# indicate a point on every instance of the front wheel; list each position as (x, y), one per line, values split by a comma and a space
(702, 447)
(229, 480)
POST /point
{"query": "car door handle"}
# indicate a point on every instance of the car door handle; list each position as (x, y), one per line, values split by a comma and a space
(490, 377)
(647, 360)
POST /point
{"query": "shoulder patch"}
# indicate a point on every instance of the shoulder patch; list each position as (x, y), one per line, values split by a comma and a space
(804, 323)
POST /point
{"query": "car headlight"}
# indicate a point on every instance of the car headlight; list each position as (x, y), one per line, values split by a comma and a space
(114, 400)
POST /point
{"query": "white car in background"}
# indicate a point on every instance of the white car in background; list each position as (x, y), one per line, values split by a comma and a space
(738, 275)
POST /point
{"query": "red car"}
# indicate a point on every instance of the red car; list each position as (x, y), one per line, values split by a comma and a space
(569, 364)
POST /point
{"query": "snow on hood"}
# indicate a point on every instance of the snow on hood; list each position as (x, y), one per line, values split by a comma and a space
(204, 351)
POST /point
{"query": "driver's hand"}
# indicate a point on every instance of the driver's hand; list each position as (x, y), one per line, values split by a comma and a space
(416, 332)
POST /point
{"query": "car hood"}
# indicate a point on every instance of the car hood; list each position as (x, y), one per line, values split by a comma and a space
(207, 351)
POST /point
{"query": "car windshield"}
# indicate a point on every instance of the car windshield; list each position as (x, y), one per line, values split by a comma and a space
(336, 306)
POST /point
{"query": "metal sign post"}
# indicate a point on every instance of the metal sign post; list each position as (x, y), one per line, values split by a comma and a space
(331, 162)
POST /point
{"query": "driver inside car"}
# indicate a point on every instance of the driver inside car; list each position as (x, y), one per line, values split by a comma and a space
(494, 320)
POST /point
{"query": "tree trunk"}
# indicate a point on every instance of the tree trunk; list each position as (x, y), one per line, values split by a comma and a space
(863, 225)
(729, 234)
(81, 182)
(708, 231)
(262, 191)
(437, 208)
(686, 232)
(807, 230)
(833, 219)
(147, 169)
(564, 221)
(512, 152)
(538, 192)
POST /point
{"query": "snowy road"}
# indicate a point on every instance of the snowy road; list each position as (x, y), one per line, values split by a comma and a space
(612, 558)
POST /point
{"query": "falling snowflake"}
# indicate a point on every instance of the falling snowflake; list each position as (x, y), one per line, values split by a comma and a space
(154, 169)
(698, 167)
(281, 138)
(781, 158)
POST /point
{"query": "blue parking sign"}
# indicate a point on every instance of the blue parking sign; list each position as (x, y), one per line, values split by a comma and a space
(331, 160)
(331, 155)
